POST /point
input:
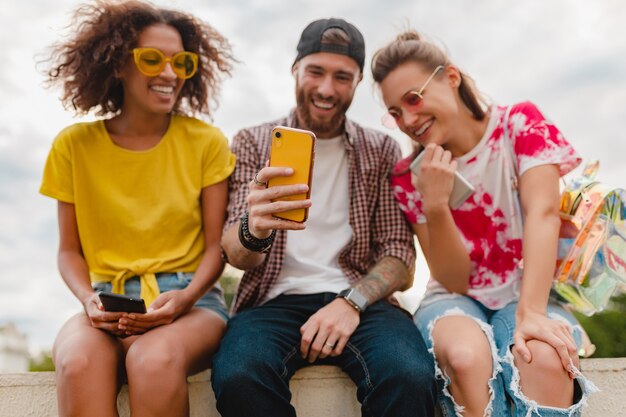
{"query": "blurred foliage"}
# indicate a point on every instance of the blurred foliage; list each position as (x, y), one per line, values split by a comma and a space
(229, 283)
(607, 329)
(42, 364)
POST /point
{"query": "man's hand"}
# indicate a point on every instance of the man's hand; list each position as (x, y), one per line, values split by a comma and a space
(327, 332)
(260, 219)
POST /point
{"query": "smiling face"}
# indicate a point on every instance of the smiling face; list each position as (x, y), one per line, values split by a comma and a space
(433, 119)
(153, 94)
(325, 85)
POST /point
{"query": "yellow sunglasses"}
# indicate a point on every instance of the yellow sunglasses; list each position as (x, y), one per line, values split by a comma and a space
(151, 62)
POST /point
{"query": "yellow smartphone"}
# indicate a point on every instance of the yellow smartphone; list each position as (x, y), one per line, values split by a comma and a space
(294, 148)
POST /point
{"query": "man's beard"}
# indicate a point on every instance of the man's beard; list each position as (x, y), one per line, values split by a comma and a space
(320, 128)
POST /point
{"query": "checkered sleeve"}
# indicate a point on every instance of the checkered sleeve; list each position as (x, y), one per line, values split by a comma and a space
(251, 148)
(391, 234)
(248, 164)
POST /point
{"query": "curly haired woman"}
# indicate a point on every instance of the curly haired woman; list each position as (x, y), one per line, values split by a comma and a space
(141, 202)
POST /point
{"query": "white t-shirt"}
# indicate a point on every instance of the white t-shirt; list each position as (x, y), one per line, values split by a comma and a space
(490, 221)
(311, 255)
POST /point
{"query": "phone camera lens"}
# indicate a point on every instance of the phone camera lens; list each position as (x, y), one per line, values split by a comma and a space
(277, 134)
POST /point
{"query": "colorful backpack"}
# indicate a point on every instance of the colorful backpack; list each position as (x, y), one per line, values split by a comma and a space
(591, 264)
(591, 260)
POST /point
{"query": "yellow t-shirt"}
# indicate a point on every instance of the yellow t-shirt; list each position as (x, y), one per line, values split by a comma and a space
(138, 212)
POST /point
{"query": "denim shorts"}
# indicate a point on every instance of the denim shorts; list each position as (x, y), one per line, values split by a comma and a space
(498, 326)
(212, 299)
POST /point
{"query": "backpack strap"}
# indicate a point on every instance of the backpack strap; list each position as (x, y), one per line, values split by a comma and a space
(511, 161)
(510, 155)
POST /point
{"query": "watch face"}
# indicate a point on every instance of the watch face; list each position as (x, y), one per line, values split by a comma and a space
(358, 299)
(355, 298)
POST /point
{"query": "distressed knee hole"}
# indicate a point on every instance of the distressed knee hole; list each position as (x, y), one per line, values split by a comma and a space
(460, 358)
(582, 388)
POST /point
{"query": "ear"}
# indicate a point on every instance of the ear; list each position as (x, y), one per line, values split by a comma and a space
(121, 71)
(453, 74)
(294, 68)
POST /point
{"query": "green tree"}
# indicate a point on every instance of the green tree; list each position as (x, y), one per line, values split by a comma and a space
(607, 329)
(42, 363)
(229, 283)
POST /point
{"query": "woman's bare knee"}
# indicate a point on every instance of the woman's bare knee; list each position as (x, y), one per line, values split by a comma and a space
(545, 360)
(544, 379)
(178, 349)
(465, 359)
(80, 349)
(463, 352)
(150, 360)
(461, 346)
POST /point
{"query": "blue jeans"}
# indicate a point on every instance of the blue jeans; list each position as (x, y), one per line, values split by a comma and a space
(498, 326)
(385, 357)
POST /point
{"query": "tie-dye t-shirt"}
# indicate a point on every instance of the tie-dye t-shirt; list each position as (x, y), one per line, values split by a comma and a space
(489, 220)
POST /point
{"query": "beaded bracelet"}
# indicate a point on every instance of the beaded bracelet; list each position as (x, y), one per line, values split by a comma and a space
(251, 242)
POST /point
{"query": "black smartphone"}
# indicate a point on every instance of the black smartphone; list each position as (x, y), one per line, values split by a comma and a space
(121, 303)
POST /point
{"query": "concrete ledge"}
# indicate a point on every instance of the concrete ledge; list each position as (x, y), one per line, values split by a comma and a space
(317, 391)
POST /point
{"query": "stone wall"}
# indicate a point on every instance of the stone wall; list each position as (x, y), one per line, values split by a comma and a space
(319, 391)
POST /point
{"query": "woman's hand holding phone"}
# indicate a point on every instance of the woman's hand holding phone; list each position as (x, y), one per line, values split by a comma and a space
(100, 319)
(167, 307)
(436, 177)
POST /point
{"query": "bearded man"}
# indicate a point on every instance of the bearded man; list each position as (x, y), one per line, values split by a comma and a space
(317, 292)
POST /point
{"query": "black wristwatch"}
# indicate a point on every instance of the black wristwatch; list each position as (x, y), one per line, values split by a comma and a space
(251, 242)
(354, 298)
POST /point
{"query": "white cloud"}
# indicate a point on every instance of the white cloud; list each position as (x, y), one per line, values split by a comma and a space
(567, 56)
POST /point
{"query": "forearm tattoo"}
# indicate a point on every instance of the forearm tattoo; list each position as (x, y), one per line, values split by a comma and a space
(389, 275)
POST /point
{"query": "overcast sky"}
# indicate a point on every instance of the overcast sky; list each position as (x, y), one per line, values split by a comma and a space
(569, 57)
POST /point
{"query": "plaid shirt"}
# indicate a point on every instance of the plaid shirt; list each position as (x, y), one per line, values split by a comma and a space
(379, 229)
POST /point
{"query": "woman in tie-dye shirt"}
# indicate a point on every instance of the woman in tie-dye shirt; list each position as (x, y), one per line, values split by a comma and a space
(501, 344)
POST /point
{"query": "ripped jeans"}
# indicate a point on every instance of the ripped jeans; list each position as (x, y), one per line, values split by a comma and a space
(498, 326)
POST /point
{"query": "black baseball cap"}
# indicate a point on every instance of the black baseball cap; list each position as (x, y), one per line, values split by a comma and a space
(311, 40)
